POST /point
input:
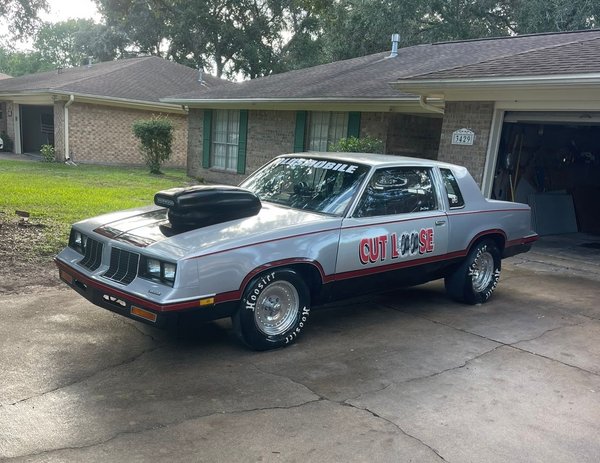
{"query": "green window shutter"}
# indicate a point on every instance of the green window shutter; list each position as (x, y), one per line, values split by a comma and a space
(206, 138)
(243, 141)
(300, 131)
(354, 124)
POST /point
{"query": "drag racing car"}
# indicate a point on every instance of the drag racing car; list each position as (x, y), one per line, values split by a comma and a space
(303, 230)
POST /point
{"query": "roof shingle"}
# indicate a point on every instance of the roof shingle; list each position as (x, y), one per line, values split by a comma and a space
(145, 79)
(369, 76)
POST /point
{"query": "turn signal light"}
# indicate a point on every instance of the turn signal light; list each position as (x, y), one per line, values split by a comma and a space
(145, 314)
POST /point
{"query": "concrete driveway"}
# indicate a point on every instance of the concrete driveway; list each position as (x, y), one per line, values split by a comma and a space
(405, 376)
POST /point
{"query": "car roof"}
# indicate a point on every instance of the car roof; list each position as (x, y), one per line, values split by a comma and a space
(370, 159)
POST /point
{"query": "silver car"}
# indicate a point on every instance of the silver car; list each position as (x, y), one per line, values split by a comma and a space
(303, 230)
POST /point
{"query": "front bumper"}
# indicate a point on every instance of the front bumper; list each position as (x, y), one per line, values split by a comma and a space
(138, 308)
(114, 300)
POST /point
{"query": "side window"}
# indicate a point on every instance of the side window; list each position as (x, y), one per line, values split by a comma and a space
(455, 198)
(397, 190)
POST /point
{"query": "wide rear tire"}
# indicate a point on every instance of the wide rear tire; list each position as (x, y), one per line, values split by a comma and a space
(476, 278)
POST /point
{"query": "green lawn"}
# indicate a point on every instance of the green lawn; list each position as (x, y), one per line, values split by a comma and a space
(56, 195)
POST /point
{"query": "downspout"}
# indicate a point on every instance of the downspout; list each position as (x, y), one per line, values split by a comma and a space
(429, 107)
(67, 104)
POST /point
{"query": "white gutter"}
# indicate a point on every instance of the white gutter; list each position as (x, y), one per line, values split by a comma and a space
(429, 107)
(211, 101)
(533, 81)
(66, 122)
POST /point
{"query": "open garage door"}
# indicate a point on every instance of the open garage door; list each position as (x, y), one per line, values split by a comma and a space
(551, 160)
(37, 127)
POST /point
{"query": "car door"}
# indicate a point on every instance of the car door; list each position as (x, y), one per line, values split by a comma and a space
(398, 223)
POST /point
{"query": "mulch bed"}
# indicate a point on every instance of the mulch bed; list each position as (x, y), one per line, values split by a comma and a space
(20, 269)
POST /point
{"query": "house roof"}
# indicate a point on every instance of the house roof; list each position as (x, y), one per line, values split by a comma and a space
(144, 79)
(577, 57)
(369, 77)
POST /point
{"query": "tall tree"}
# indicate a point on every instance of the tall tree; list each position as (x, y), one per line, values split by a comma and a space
(18, 63)
(531, 16)
(465, 19)
(142, 23)
(360, 27)
(227, 37)
(22, 15)
(72, 42)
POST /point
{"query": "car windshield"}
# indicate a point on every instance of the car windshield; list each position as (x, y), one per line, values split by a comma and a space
(316, 185)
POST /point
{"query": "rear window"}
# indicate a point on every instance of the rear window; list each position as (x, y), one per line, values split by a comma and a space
(455, 198)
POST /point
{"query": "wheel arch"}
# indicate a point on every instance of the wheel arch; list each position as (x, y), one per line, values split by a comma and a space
(310, 271)
(497, 236)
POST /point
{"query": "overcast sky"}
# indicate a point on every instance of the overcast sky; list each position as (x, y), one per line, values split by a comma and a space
(60, 10)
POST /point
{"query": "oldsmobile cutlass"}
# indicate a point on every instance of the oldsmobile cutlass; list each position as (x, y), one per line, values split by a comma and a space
(303, 230)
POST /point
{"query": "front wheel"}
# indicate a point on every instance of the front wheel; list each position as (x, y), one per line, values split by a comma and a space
(474, 281)
(273, 311)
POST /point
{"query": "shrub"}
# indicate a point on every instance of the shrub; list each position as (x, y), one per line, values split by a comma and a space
(156, 140)
(48, 154)
(8, 143)
(358, 145)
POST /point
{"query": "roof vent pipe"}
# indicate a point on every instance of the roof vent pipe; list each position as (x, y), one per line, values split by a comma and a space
(395, 40)
(89, 64)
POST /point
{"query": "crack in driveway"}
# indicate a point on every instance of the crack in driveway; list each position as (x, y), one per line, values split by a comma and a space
(84, 378)
(511, 344)
(158, 426)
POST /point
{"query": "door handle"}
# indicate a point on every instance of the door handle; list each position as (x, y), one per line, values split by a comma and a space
(439, 223)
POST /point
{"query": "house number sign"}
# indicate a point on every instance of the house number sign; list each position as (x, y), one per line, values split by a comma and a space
(463, 137)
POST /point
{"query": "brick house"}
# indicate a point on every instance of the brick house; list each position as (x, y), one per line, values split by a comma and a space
(87, 112)
(521, 113)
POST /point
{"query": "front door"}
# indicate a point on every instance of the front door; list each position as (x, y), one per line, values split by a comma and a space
(398, 224)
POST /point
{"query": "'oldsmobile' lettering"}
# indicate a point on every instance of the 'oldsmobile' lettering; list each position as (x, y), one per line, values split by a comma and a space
(327, 165)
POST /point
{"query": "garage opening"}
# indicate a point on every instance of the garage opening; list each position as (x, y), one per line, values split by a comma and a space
(37, 127)
(551, 161)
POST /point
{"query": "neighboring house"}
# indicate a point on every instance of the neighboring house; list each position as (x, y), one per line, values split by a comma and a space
(510, 109)
(87, 112)
(3, 109)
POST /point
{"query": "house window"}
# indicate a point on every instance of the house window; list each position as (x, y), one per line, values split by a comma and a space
(225, 139)
(325, 128)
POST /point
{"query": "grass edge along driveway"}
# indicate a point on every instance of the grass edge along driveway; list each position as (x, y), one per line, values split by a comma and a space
(57, 195)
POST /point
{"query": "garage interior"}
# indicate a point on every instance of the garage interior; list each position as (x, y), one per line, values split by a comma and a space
(37, 127)
(551, 161)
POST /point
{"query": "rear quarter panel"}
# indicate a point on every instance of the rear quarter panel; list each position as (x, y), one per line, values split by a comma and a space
(481, 216)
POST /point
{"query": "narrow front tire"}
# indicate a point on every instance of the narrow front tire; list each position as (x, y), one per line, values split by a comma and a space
(273, 311)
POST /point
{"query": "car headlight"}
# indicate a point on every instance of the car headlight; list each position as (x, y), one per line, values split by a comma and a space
(158, 270)
(78, 241)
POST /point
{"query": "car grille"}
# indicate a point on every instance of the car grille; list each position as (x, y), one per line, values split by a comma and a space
(93, 255)
(123, 266)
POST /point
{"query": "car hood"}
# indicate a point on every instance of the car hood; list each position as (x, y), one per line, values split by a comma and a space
(149, 228)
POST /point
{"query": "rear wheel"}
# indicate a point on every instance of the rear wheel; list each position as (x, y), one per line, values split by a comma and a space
(474, 281)
(273, 311)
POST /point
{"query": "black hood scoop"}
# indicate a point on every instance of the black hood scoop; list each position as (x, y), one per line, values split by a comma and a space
(203, 205)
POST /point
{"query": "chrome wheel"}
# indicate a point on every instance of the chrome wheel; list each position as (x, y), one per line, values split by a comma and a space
(277, 308)
(482, 271)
